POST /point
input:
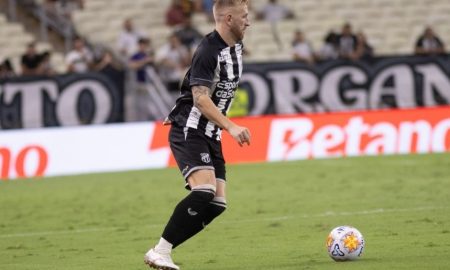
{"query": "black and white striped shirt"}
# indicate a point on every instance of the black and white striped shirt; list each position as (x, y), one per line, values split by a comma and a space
(218, 67)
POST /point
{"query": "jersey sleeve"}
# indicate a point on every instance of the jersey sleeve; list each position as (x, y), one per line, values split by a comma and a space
(203, 66)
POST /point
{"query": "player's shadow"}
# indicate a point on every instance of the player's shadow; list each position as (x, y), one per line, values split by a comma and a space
(322, 263)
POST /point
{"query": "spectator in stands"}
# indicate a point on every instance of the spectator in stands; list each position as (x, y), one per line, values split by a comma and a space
(143, 58)
(45, 66)
(139, 62)
(273, 12)
(127, 42)
(175, 14)
(67, 7)
(207, 8)
(189, 7)
(364, 51)
(6, 69)
(429, 43)
(105, 60)
(63, 8)
(347, 42)
(172, 58)
(80, 59)
(188, 34)
(30, 60)
(330, 47)
(302, 50)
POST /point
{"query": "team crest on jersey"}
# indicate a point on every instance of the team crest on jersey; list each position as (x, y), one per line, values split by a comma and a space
(205, 157)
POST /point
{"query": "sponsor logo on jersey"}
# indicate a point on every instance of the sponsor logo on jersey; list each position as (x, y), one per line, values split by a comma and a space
(224, 57)
(225, 94)
(227, 85)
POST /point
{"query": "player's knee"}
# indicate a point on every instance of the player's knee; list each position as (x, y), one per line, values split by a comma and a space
(219, 203)
(204, 193)
(201, 178)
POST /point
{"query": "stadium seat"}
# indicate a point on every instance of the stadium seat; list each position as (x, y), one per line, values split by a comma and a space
(392, 26)
(14, 40)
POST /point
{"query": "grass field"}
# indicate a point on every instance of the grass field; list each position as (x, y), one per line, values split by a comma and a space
(278, 217)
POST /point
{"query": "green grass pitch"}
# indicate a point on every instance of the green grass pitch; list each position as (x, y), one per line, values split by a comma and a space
(278, 218)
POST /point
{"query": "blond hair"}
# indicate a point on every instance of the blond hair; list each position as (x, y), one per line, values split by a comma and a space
(229, 3)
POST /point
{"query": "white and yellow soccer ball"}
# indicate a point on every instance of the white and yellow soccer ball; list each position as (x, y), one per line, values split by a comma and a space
(345, 243)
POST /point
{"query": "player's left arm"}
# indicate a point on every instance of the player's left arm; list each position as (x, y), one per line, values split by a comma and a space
(206, 106)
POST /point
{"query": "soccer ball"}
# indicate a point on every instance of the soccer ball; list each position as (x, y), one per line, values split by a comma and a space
(345, 243)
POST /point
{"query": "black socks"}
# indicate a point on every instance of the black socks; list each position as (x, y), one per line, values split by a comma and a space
(193, 213)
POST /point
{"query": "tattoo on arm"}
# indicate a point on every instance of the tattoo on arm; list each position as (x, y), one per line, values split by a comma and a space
(197, 92)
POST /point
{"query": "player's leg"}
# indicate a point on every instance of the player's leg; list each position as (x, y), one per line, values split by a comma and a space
(218, 205)
(192, 155)
(200, 207)
(211, 210)
(186, 221)
(187, 218)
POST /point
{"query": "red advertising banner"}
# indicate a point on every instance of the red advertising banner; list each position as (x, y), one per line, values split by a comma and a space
(330, 135)
(136, 146)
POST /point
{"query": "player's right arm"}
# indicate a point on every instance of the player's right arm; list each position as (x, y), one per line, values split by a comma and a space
(206, 106)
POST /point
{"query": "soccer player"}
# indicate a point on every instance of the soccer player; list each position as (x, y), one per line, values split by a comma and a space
(197, 121)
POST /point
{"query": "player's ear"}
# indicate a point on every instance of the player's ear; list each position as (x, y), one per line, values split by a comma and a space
(229, 18)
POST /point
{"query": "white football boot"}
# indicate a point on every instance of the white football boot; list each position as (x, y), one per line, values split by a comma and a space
(159, 261)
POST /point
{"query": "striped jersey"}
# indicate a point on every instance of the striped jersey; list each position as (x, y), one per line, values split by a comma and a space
(218, 67)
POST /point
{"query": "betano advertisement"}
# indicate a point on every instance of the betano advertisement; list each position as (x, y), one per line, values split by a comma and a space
(121, 147)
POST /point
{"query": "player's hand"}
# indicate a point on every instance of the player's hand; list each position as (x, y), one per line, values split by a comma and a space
(240, 134)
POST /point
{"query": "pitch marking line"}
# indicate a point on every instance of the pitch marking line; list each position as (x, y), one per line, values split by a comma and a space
(272, 219)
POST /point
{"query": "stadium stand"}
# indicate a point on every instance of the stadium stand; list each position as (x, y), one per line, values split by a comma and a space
(14, 40)
(392, 26)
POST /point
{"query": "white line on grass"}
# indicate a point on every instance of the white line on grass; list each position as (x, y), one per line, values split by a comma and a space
(31, 234)
(335, 214)
(269, 219)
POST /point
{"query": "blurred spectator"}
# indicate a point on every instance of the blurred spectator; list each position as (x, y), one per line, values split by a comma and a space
(302, 50)
(80, 59)
(139, 62)
(175, 14)
(51, 6)
(273, 12)
(105, 60)
(143, 58)
(429, 43)
(63, 8)
(172, 59)
(330, 47)
(364, 51)
(189, 7)
(188, 34)
(207, 8)
(6, 69)
(30, 60)
(45, 66)
(347, 42)
(127, 42)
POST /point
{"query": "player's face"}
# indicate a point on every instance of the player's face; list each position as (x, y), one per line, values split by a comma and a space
(240, 22)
